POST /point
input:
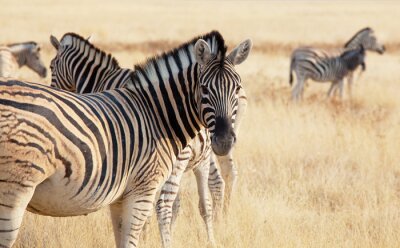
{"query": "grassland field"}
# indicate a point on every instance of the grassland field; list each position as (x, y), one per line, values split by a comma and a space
(322, 173)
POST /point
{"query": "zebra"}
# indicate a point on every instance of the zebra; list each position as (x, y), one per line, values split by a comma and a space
(66, 154)
(80, 58)
(16, 55)
(328, 69)
(365, 37)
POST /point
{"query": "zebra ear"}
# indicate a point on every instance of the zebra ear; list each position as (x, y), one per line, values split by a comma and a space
(54, 42)
(202, 52)
(240, 53)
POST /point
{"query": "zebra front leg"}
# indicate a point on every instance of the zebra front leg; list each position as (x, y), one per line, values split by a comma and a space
(135, 211)
(175, 209)
(201, 173)
(168, 195)
(340, 84)
(216, 185)
(350, 84)
(229, 175)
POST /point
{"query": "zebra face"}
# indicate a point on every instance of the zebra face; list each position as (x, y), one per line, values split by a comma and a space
(34, 62)
(59, 73)
(371, 43)
(219, 86)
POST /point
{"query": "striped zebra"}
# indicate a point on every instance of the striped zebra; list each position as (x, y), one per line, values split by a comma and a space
(81, 67)
(14, 56)
(303, 55)
(328, 69)
(66, 154)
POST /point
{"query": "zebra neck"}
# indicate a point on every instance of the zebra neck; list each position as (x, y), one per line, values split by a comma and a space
(19, 53)
(94, 62)
(358, 39)
(172, 102)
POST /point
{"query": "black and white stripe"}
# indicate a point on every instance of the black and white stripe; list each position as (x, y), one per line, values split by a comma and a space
(64, 149)
(310, 55)
(326, 69)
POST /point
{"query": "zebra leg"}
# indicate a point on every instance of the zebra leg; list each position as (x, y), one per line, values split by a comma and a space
(340, 84)
(136, 209)
(175, 209)
(298, 88)
(201, 173)
(167, 197)
(216, 185)
(116, 217)
(229, 175)
(14, 199)
(350, 84)
(333, 87)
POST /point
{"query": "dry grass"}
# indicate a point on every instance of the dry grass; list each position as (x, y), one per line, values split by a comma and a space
(318, 174)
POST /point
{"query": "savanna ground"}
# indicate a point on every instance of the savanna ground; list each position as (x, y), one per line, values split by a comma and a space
(318, 174)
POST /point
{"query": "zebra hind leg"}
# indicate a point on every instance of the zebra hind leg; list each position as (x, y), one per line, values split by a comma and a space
(298, 89)
(14, 199)
(201, 173)
(216, 185)
(332, 88)
(116, 217)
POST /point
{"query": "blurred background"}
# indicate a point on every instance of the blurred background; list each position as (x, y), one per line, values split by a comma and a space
(322, 173)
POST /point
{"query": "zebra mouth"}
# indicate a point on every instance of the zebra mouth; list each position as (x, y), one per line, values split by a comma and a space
(43, 73)
(222, 146)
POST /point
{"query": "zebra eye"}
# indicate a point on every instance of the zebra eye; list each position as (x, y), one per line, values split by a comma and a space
(238, 89)
(204, 90)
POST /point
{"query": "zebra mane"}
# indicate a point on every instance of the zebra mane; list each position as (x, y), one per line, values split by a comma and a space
(214, 40)
(357, 34)
(98, 51)
(23, 43)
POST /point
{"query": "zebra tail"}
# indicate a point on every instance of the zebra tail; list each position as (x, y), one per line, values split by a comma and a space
(291, 71)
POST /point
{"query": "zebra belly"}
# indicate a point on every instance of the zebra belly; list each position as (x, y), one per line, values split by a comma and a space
(53, 198)
(323, 80)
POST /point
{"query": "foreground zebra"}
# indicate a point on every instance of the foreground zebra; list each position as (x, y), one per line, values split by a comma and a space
(76, 79)
(76, 57)
(309, 57)
(16, 55)
(65, 154)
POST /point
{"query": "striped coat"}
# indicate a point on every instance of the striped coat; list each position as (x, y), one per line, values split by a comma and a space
(65, 154)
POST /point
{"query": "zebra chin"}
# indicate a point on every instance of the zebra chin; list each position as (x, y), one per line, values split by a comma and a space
(222, 146)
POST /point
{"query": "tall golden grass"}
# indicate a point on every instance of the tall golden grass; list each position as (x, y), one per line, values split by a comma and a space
(318, 174)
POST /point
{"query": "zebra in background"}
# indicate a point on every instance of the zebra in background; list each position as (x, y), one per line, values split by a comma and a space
(14, 56)
(365, 37)
(76, 57)
(328, 69)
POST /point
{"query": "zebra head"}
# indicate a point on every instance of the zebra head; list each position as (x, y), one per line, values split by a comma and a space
(366, 37)
(28, 53)
(219, 86)
(60, 77)
(69, 53)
